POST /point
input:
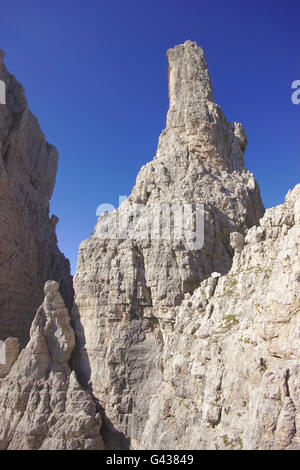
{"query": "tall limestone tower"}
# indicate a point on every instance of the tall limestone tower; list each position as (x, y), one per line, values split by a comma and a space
(128, 291)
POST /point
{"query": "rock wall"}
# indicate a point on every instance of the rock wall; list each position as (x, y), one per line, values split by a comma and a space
(127, 289)
(29, 255)
(230, 356)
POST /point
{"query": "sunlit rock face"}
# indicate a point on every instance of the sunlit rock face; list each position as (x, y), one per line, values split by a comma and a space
(29, 255)
(129, 292)
(230, 356)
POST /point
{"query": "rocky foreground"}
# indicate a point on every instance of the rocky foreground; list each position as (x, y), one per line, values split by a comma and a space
(169, 346)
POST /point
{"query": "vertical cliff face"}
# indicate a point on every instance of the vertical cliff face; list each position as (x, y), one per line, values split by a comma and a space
(231, 350)
(128, 288)
(29, 255)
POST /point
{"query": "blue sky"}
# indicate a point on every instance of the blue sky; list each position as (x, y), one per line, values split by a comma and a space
(95, 75)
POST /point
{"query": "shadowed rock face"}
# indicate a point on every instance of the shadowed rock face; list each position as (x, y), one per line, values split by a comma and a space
(127, 290)
(42, 404)
(29, 255)
(8, 355)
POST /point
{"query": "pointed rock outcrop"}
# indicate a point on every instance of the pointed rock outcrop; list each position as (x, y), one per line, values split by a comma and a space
(42, 404)
(128, 287)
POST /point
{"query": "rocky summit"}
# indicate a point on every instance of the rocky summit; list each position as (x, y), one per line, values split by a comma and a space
(184, 331)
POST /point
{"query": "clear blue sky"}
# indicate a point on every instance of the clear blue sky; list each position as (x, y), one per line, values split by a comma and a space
(95, 75)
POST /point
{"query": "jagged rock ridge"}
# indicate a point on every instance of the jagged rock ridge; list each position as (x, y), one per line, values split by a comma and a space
(231, 350)
(29, 255)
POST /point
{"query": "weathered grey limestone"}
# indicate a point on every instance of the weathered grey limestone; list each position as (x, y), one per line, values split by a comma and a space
(127, 291)
(231, 370)
(29, 255)
(42, 404)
